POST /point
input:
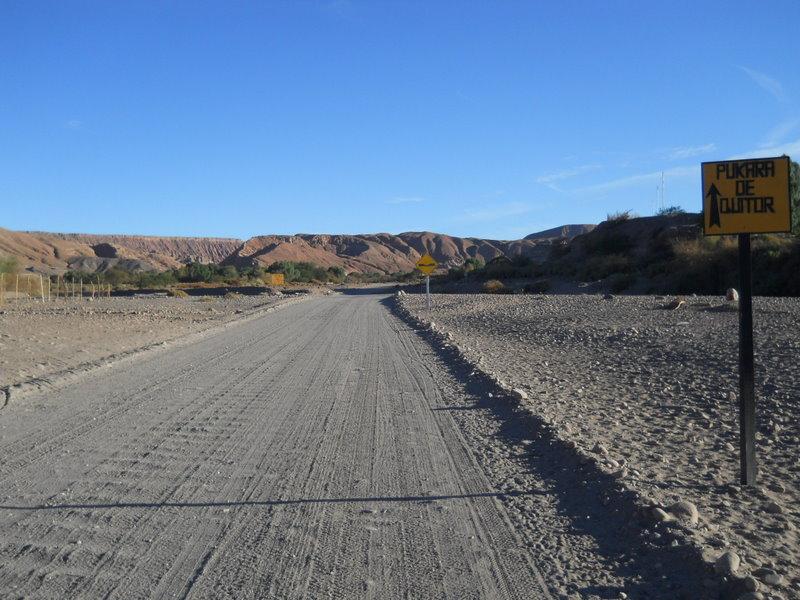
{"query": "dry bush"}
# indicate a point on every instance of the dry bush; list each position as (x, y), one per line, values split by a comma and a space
(494, 286)
(177, 294)
(232, 295)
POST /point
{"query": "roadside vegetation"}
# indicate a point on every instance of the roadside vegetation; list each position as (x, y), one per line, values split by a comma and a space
(664, 254)
(208, 275)
(8, 264)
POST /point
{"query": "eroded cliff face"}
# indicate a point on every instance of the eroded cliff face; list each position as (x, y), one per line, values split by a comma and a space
(381, 252)
(57, 252)
(371, 253)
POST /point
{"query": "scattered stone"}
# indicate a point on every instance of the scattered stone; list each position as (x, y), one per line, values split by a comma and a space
(660, 515)
(685, 511)
(731, 295)
(774, 508)
(727, 564)
(600, 449)
(750, 583)
(769, 576)
(519, 394)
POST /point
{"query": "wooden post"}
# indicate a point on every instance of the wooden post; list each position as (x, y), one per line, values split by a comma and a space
(41, 286)
(747, 394)
(2, 288)
(81, 288)
(16, 288)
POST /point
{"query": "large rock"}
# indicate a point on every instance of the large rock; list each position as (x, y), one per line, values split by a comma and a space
(727, 564)
(685, 511)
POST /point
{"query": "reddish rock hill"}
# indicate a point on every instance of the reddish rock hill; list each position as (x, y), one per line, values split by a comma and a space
(57, 252)
(380, 253)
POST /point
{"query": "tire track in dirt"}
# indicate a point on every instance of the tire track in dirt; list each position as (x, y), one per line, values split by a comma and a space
(296, 456)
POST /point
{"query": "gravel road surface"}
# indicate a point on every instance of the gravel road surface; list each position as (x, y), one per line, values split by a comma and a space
(314, 452)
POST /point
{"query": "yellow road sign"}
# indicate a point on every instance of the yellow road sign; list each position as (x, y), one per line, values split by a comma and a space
(746, 196)
(427, 264)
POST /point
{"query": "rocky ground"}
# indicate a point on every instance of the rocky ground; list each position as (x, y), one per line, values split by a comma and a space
(39, 340)
(649, 395)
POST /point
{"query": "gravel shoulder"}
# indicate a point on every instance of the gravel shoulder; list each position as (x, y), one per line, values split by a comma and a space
(42, 341)
(650, 395)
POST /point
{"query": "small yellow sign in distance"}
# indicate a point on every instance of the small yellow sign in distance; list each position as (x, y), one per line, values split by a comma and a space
(746, 196)
(274, 279)
(427, 264)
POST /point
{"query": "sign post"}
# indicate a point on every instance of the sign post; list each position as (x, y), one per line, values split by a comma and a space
(743, 197)
(427, 264)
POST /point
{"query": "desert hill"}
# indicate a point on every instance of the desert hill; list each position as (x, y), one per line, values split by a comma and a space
(382, 252)
(369, 253)
(563, 232)
(56, 252)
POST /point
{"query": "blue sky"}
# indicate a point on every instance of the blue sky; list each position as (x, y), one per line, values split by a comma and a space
(489, 119)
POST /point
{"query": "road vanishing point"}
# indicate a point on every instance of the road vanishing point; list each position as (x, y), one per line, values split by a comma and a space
(306, 453)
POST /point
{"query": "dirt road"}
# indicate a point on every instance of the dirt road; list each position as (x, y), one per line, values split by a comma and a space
(297, 455)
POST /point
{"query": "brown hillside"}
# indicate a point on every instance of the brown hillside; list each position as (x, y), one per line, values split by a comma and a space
(382, 252)
(57, 252)
(372, 253)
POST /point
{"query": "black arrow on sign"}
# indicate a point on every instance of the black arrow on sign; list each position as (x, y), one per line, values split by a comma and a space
(713, 218)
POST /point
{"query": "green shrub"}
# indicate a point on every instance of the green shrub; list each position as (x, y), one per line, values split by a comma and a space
(473, 264)
(669, 211)
(9, 264)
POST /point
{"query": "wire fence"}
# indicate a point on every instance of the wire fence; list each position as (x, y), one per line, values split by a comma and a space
(34, 287)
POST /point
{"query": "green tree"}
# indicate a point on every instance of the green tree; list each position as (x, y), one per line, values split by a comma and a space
(472, 264)
(199, 272)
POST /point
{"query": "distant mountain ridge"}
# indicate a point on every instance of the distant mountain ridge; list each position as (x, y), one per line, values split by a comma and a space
(380, 252)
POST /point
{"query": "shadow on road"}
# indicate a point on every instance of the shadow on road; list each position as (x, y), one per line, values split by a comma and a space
(655, 560)
(368, 290)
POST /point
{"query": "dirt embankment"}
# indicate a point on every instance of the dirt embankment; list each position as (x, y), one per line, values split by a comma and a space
(650, 395)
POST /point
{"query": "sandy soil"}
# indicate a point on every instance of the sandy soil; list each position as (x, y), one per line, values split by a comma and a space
(651, 395)
(317, 452)
(38, 340)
